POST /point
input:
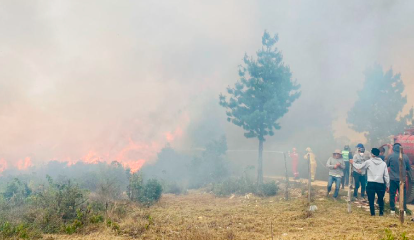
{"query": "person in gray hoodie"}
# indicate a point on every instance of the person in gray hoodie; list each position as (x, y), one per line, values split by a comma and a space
(393, 163)
(336, 167)
(378, 180)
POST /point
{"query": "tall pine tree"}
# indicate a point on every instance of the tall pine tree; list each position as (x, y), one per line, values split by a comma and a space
(262, 96)
(378, 106)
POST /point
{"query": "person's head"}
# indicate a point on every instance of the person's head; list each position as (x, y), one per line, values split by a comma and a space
(293, 149)
(308, 149)
(337, 154)
(361, 151)
(375, 152)
(346, 148)
(382, 151)
(360, 146)
(396, 147)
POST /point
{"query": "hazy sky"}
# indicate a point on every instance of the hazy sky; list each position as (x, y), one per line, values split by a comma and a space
(120, 79)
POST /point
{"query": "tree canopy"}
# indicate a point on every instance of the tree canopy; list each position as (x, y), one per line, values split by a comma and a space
(262, 95)
(377, 112)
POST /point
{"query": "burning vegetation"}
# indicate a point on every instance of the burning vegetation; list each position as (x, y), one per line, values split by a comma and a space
(131, 121)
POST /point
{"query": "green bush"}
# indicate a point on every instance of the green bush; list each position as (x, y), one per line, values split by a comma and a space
(146, 194)
(151, 193)
(21, 231)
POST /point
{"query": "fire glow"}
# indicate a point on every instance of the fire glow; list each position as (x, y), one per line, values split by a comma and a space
(133, 155)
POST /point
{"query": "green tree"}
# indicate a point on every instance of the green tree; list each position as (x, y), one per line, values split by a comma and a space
(379, 104)
(262, 96)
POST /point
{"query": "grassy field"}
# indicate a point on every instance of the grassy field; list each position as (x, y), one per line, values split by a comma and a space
(200, 215)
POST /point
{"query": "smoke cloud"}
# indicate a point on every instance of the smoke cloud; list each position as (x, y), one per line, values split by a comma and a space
(104, 80)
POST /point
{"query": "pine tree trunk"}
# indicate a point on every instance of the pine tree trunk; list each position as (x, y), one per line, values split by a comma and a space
(260, 163)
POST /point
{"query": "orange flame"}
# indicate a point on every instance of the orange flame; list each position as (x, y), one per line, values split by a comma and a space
(24, 164)
(92, 158)
(3, 165)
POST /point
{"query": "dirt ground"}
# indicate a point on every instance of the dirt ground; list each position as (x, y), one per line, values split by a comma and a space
(202, 216)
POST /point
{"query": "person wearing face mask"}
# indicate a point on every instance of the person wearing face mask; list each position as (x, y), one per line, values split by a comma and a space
(394, 165)
(336, 167)
(358, 174)
(378, 179)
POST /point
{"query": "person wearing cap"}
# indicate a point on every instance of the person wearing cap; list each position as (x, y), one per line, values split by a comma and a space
(359, 175)
(378, 179)
(335, 165)
(313, 164)
(346, 155)
(394, 164)
(294, 157)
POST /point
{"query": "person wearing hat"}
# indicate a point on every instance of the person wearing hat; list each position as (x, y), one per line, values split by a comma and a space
(378, 179)
(335, 165)
(294, 157)
(358, 174)
(313, 164)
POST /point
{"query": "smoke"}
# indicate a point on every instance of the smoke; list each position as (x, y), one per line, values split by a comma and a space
(103, 80)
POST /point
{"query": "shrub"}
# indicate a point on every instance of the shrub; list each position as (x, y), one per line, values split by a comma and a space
(151, 193)
(21, 231)
(146, 194)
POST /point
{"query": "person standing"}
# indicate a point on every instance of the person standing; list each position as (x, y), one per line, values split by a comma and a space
(394, 164)
(378, 180)
(312, 162)
(294, 157)
(382, 153)
(346, 155)
(336, 167)
(359, 175)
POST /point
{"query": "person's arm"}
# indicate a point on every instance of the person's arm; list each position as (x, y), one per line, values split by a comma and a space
(329, 164)
(386, 178)
(407, 163)
(359, 166)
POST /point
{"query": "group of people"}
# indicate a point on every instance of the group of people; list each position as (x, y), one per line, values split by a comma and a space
(371, 172)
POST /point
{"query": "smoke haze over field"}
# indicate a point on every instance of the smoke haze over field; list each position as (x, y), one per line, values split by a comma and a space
(106, 80)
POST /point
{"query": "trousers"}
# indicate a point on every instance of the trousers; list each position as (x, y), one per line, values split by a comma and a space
(394, 186)
(359, 180)
(379, 189)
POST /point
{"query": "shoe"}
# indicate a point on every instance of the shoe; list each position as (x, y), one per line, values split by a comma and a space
(392, 213)
(327, 194)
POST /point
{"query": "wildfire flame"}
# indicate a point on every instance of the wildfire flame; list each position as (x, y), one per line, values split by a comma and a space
(3, 165)
(24, 164)
(133, 155)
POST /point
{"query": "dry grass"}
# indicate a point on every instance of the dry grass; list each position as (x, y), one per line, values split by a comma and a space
(202, 216)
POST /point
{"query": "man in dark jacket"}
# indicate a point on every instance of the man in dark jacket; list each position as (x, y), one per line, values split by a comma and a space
(394, 167)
